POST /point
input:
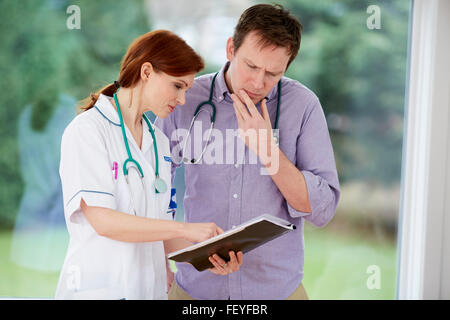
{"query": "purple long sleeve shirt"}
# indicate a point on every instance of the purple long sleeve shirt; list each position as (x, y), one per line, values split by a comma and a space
(229, 190)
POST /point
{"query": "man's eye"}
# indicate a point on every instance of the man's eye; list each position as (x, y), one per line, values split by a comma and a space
(252, 67)
(178, 86)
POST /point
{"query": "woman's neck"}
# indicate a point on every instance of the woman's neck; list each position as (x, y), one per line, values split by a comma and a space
(129, 108)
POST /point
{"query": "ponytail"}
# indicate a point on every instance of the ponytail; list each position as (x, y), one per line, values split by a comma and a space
(90, 101)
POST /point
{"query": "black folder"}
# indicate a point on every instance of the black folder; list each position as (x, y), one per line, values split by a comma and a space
(244, 237)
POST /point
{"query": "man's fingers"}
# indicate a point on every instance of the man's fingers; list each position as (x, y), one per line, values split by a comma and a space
(223, 268)
(249, 103)
(240, 257)
(233, 261)
(239, 117)
(216, 265)
(265, 112)
(240, 106)
(218, 259)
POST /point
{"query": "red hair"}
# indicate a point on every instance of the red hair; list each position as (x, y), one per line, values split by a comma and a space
(167, 53)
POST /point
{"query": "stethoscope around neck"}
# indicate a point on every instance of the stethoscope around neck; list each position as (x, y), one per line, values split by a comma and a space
(159, 184)
(213, 119)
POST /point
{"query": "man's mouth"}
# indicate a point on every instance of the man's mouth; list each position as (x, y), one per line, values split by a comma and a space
(251, 94)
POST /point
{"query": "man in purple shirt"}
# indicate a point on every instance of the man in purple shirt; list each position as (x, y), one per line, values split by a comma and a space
(294, 179)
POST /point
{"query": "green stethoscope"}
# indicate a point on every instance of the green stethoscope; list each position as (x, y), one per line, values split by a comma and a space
(213, 119)
(159, 184)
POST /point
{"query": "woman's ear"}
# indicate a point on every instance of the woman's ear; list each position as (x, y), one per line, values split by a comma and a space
(146, 70)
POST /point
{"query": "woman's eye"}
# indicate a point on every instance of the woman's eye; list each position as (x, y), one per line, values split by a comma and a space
(252, 67)
(179, 87)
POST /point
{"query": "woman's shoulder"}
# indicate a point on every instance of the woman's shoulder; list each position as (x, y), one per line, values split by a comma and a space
(87, 122)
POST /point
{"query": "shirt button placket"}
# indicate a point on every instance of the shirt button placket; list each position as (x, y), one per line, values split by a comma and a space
(234, 284)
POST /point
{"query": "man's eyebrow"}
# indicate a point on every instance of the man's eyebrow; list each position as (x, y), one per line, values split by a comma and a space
(249, 62)
(273, 73)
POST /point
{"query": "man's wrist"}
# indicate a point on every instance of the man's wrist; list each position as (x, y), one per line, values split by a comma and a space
(271, 156)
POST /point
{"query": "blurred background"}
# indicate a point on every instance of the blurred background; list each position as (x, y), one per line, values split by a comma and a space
(358, 72)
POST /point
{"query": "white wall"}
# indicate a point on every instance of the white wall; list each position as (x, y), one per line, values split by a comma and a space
(424, 243)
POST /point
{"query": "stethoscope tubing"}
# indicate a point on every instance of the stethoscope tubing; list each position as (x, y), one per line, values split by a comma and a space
(213, 118)
(160, 185)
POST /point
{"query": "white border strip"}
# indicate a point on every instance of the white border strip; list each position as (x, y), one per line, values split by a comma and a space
(425, 167)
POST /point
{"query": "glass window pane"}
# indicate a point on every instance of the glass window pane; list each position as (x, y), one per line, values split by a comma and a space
(353, 56)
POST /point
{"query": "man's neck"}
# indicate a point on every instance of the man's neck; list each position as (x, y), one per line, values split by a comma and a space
(227, 73)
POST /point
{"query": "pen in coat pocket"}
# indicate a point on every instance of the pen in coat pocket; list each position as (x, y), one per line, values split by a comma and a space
(114, 168)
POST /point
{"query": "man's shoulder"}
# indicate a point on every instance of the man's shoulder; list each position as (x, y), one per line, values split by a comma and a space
(202, 83)
(294, 89)
(200, 89)
(198, 93)
(204, 79)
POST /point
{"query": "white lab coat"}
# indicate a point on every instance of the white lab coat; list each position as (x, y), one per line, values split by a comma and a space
(97, 267)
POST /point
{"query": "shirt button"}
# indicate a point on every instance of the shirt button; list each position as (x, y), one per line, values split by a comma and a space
(235, 195)
(236, 165)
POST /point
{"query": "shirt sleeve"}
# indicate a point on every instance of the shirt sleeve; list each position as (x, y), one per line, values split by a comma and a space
(169, 128)
(315, 159)
(85, 170)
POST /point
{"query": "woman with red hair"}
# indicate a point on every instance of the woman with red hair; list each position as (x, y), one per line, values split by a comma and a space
(115, 171)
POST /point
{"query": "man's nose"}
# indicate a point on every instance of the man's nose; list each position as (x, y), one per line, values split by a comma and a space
(258, 80)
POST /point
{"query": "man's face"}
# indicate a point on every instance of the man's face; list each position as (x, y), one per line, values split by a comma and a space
(254, 69)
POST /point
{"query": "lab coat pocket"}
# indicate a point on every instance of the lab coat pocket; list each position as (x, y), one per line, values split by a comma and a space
(166, 169)
(123, 195)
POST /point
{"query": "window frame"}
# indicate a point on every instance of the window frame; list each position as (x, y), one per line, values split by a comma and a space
(425, 173)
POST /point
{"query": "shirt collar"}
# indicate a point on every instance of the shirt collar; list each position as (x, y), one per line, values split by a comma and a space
(221, 88)
(107, 110)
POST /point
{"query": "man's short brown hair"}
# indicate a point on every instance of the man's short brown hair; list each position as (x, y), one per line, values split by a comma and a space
(274, 24)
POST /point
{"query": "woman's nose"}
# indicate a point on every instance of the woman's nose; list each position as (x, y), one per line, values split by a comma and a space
(181, 99)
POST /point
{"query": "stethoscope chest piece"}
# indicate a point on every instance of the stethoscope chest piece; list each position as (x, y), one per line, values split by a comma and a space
(276, 137)
(160, 185)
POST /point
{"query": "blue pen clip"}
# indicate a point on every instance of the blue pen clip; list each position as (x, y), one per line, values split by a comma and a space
(172, 204)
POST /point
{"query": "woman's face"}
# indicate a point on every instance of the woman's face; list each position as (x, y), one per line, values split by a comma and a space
(161, 92)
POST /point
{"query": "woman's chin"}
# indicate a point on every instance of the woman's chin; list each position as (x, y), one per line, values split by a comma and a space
(161, 114)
